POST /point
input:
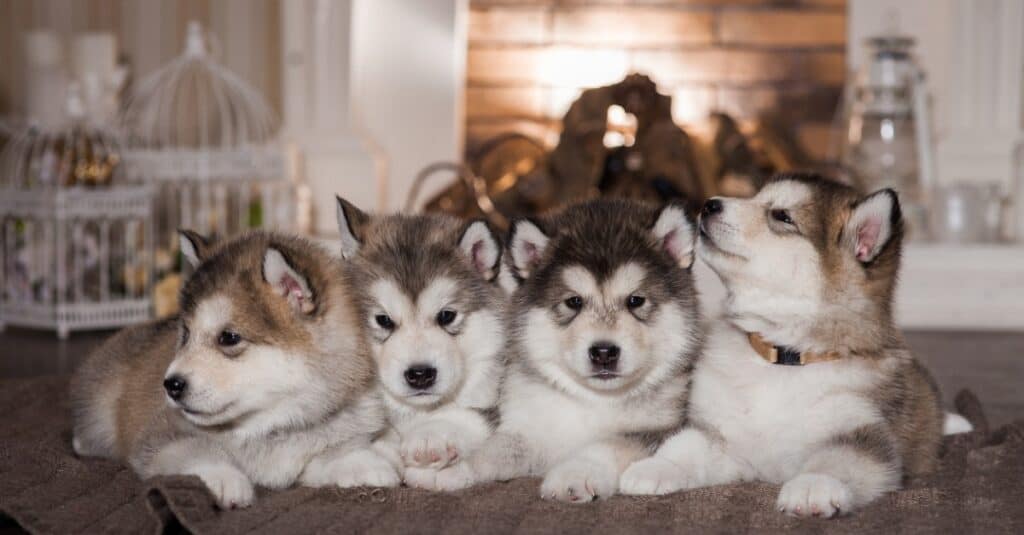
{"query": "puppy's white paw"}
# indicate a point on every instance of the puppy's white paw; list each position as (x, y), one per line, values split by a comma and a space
(454, 477)
(432, 446)
(229, 486)
(579, 481)
(362, 468)
(655, 475)
(815, 495)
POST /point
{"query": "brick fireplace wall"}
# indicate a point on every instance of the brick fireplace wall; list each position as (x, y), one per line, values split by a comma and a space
(528, 59)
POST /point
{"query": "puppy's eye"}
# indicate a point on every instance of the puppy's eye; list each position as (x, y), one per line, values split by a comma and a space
(184, 335)
(782, 215)
(445, 317)
(574, 303)
(384, 321)
(228, 338)
(635, 301)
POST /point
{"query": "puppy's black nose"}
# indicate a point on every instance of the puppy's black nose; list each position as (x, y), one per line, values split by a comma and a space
(604, 355)
(712, 207)
(175, 386)
(421, 377)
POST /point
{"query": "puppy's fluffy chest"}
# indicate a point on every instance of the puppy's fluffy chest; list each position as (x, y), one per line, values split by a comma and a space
(557, 423)
(404, 418)
(767, 415)
(277, 459)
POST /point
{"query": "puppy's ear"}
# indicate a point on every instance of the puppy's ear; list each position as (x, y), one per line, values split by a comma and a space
(482, 248)
(526, 245)
(674, 233)
(194, 247)
(351, 221)
(287, 282)
(873, 223)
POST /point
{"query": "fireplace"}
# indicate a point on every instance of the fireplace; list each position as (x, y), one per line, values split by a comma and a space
(770, 70)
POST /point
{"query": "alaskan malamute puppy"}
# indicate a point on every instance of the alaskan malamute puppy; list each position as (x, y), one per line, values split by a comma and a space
(265, 377)
(805, 381)
(434, 310)
(604, 329)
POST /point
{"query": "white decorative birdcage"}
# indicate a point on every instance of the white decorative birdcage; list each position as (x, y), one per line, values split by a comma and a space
(206, 141)
(76, 249)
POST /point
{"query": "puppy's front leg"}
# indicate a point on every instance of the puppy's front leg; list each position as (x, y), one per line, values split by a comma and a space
(357, 464)
(592, 473)
(195, 456)
(688, 459)
(847, 472)
(388, 446)
(444, 436)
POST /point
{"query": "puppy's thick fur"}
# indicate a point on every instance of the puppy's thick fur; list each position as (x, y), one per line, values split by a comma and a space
(603, 332)
(809, 265)
(431, 302)
(274, 379)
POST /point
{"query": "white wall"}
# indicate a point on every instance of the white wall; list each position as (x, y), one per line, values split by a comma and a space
(409, 77)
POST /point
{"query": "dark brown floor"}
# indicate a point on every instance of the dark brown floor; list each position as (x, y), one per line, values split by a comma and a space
(990, 364)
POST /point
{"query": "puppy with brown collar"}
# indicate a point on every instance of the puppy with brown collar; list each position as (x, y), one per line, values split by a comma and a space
(805, 381)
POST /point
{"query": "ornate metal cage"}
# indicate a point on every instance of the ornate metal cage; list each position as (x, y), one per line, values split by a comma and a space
(206, 141)
(76, 251)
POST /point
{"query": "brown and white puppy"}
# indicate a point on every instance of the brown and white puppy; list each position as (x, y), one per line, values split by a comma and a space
(431, 302)
(603, 331)
(264, 378)
(810, 266)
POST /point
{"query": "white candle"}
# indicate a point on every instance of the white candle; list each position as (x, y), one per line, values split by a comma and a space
(94, 54)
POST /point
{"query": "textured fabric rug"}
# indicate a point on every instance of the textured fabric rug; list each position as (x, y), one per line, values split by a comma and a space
(45, 488)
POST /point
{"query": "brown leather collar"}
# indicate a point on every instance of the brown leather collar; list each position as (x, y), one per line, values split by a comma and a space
(786, 356)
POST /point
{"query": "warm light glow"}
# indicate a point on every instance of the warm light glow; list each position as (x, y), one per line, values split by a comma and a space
(691, 106)
(506, 181)
(616, 115)
(613, 139)
(560, 98)
(621, 127)
(583, 67)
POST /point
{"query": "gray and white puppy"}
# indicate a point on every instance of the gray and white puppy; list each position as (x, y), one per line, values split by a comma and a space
(810, 267)
(430, 300)
(604, 330)
(264, 378)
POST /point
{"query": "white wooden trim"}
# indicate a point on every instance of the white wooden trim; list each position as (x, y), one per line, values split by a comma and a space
(962, 287)
(317, 83)
(986, 135)
(941, 287)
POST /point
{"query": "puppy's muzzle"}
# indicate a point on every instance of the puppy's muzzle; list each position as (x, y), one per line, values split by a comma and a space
(176, 386)
(712, 207)
(421, 377)
(604, 356)
(709, 212)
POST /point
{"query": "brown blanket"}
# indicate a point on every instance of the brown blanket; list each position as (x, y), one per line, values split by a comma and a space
(44, 488)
